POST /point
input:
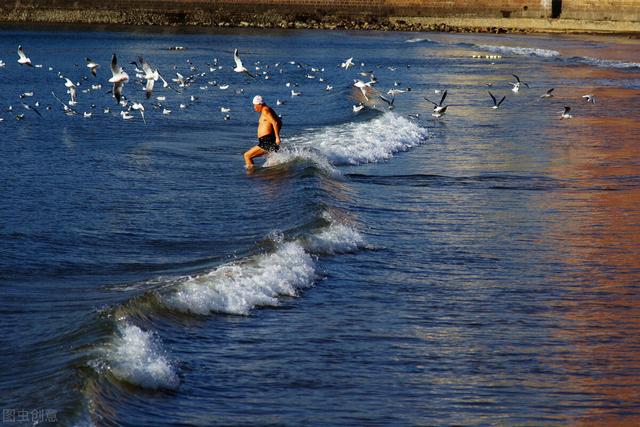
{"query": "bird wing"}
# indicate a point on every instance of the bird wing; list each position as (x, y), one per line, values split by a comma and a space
(500, 102)
(115, 70)
(494, 98)
(236, 58)
(444, 95)
(149, 87)
(21, 53)
(145, 67)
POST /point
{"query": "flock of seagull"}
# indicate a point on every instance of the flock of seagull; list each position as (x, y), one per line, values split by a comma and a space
(147, 76)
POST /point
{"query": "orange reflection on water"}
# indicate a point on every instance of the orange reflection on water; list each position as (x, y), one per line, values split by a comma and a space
(597, 231)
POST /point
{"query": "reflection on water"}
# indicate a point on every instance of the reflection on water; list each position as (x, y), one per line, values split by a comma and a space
(595, 231)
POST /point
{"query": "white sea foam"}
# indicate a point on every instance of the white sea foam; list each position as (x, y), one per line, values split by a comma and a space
(419, 40)
(238, 287)
(608, 63)
(526, 51)
(136, 356)
(336, 239)
(292, 153)
(364, 142)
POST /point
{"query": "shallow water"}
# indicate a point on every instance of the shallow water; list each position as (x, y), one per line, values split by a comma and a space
(476, 269)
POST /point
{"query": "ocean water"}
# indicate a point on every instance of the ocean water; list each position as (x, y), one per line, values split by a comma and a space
(386, 268)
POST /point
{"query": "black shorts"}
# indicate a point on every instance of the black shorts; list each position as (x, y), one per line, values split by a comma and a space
(268, 143)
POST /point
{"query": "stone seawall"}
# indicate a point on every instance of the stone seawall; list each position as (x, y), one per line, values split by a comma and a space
(409, 15)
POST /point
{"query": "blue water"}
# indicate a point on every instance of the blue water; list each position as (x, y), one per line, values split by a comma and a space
(387, 268)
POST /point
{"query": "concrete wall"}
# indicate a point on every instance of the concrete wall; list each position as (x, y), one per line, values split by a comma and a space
(475, 8)
(614, 10)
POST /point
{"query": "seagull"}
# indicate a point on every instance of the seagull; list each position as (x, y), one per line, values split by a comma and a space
(590, 98)
(548, 94)
(67, 110)
(125, 115)
(87, 115)
(388, 101)
(516, 85)
(166, 111)
(150, 75)
(92, 66)
(565, 113)
(138, 106)
(239, 67)
(118, 79)
(224, 109)
(361, 85)
(440, 112)
(437, 108)
(72, 91)
(328, 88)
(358, 108)
(23, 58)
(348, 63)
(496, 103)
(294, 93)
(28, 107)
(180, 80)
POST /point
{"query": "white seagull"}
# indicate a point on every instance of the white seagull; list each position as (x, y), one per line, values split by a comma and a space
(150, 75)
(138, 106)
(92, 66)
(239, 67)
(23, 58)
(565, 113)
(118, 79)
(590, 98)
(73, 91)
(437, 107)
(516, 85)
(362, 85)
(440, 112)
(548, 94)
(348, 63)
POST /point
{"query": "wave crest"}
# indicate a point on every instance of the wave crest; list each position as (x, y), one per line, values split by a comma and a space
(364, 142)
(136, 357)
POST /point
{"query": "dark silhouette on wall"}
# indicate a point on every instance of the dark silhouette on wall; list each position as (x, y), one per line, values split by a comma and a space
(556, 8)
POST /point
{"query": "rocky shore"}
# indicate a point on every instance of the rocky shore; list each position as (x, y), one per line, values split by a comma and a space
(274, 19)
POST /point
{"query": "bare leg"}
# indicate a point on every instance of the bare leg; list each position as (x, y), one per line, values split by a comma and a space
(251, 154)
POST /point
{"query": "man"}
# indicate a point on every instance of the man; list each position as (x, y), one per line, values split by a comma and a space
(268, 132)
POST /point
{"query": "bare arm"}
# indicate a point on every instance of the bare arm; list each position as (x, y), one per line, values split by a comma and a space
(275, 122)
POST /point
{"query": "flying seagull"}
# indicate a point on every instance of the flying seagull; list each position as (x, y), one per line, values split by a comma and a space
(440, 112)
(92, 66)
(437, 107)
(118, 79)
(516, 85)
(23, 58)
(73, 91)
(239, 67)
(348, 63)
(565, 113)
(589, 98)
(496, 103)
(548, 94)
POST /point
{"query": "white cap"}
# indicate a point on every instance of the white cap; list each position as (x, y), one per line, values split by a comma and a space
(258, 100)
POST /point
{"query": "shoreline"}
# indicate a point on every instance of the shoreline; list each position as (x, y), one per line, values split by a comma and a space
(272, 19)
